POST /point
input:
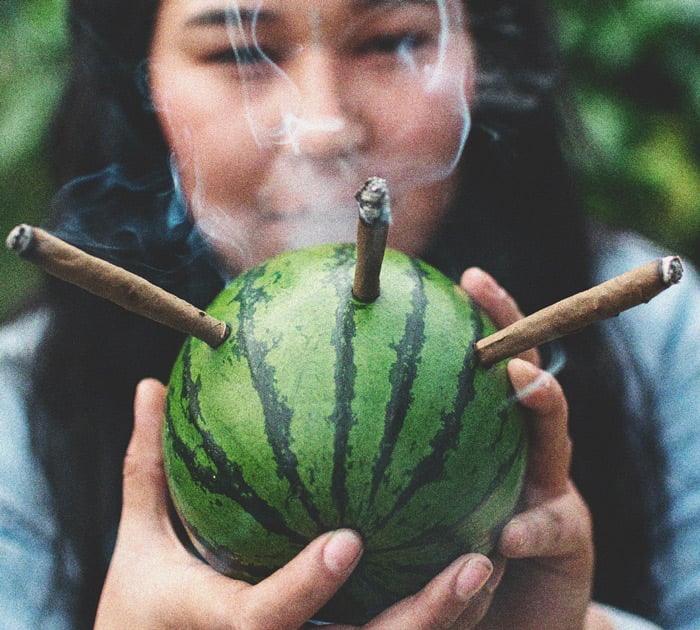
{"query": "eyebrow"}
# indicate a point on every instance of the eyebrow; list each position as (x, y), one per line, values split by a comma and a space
(229, 15)
(388, 3)
(218, 17)
(225, 16)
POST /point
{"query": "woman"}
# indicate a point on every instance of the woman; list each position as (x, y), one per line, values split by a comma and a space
(238, 105)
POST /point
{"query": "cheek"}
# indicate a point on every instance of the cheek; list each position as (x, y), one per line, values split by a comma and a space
(425, 125)
(426, 118)
(206, 128)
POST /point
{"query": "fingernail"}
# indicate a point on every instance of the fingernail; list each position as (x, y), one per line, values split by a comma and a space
(513, 536)
(530, 369)
(471, 578)
(476, 272)
(342, 551)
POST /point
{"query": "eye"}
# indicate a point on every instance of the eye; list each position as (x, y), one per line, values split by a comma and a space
(393, 43)
(249, 62)
(243, 55)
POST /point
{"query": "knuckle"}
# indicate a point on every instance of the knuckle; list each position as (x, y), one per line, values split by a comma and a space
(130, 466)
(557, 528)
(146, 472)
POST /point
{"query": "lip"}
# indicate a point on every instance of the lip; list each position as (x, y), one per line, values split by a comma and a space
(321, 207)
(297, 186)
(307, 215)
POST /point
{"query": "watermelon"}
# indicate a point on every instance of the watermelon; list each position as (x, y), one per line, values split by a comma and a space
(320, 412)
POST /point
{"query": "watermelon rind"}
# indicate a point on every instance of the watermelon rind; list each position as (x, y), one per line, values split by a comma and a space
(320, 412)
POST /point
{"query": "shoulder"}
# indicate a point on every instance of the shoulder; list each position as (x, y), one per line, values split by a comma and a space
(616, 251)
(20, 338)
(666, 331)
(659, 349)
(28, 532)
(658, 343)
(19, 342)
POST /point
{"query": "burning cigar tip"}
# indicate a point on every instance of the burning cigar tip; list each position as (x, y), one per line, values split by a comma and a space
(20, 238)
(572, 314)
(111, 282)
(372, 231)
(373, 200)
(671, 270)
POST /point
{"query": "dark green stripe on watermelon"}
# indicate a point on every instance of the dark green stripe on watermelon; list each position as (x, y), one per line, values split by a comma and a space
(345, 372)
(402, 374)
(226, 477)
(430, 468)
(277, 413)
(320, 412)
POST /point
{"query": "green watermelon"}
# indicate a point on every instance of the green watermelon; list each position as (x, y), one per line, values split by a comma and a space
(320, 412)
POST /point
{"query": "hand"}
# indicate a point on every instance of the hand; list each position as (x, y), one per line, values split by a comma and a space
(549, 546)
(154, 582)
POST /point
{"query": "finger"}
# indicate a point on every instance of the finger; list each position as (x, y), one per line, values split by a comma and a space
(549, 456)
(445, 599)
(480, 604)
(293, 594)
(496, 302)
(556, 528)
(144, 485)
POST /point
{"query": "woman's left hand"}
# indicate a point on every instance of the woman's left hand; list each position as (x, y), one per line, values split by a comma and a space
(155, 582)
(549, 545)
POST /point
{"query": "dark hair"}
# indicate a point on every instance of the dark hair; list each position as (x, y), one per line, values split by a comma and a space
(516, 215)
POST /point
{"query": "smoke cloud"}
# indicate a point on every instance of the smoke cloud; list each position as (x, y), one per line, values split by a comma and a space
(162, 226)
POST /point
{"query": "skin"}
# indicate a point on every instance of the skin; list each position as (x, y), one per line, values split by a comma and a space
(150, 565)
(265, 153)
(270, 152)
(543, 563)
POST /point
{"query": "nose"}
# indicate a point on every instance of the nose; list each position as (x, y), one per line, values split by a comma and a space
(327, 121)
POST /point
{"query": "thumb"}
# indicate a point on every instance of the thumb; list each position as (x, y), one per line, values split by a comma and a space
(144, 485)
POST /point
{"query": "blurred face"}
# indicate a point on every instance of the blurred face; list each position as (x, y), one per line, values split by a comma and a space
(276, 111)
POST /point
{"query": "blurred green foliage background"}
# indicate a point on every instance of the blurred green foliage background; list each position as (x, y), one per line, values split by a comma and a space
(635, 70)
(33, 45)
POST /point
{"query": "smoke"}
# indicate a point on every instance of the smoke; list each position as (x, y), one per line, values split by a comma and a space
(554, 362)
(426, 74)
(139, 223)
(396, 107)
(286, 157)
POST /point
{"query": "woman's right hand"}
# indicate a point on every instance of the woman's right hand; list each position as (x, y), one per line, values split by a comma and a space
(549, 544)
(154, 582)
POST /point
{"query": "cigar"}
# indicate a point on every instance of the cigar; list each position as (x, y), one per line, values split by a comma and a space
(139, 296)
(105, 280)
(372, 231)
(570, 315)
